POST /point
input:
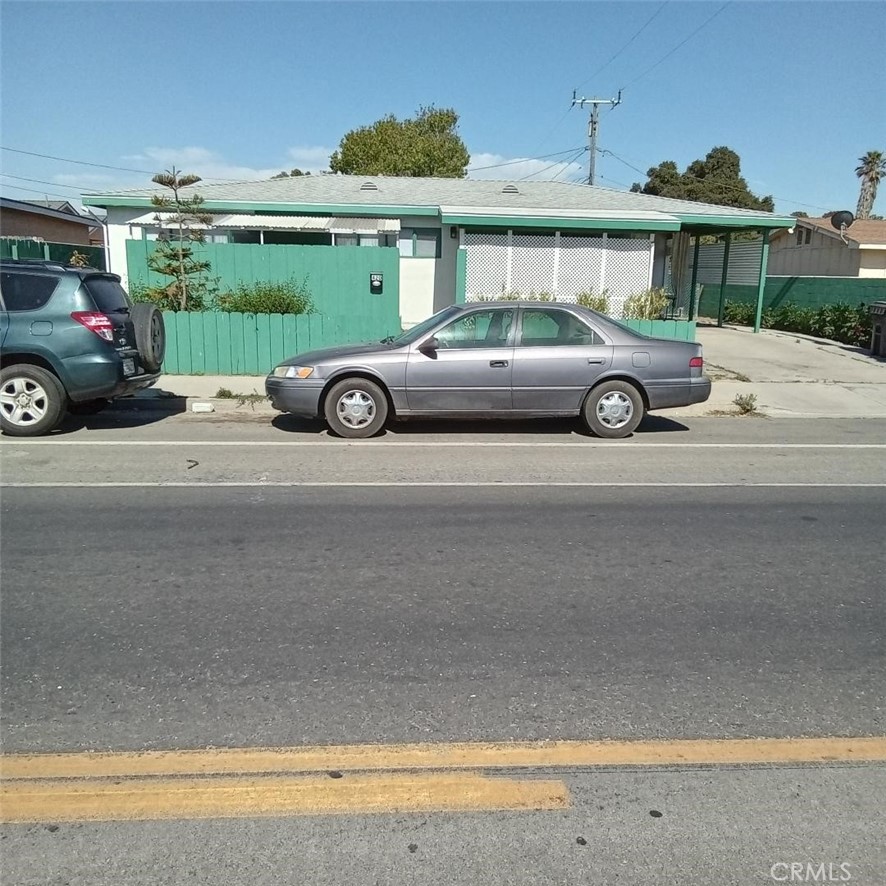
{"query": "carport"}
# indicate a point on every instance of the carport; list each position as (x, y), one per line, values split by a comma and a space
(725, 228)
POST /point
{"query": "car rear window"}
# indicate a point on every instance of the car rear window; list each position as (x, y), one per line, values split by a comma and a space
(26, 292)
(109, 296)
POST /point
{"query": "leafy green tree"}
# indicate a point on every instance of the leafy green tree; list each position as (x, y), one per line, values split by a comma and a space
(871, 169)
(800, 214)
(426, 145)
(717, 179)
(174, 255)
(293, 173)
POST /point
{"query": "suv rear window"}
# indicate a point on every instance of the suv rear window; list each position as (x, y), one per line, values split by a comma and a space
(109, 296)
(26, 292)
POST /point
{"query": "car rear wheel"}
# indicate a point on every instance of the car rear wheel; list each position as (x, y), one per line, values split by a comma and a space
(32, 401)
(613, 409)
(150, 335)
(356, 408)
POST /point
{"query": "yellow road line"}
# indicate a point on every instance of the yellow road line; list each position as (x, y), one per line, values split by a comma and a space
(230, 797)
(464, 755)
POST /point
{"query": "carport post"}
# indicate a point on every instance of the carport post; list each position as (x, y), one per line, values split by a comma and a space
(722, 308)
(691, 312)
(761, 283)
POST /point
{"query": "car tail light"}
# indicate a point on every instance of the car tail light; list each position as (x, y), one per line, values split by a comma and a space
(99, 323)
(696, 363)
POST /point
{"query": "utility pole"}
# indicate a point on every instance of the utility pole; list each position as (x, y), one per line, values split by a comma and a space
(594, 125)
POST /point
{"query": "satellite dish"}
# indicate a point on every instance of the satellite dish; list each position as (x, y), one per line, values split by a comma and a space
(842, 219)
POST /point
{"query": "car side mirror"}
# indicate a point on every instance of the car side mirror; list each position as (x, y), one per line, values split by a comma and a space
(429, 347)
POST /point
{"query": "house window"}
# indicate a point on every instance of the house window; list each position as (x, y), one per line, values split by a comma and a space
(364, 240)
(799, 236)
(420, 243)
(808, 235)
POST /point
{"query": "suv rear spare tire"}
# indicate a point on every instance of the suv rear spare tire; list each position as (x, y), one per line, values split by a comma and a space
(32, 401)
(150, 335)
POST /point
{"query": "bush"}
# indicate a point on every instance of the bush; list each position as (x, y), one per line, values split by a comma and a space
(166, 299)
(595, 302)
(265, 297)
(648, 305)
(840, 322)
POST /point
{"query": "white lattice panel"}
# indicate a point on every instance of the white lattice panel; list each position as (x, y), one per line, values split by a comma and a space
(525, 264)
(532, 264)
(581, 261)
(487, 265)
(627, 270)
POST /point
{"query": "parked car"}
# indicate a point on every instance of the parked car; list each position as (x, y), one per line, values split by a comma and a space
(70, 341)
(495, 360)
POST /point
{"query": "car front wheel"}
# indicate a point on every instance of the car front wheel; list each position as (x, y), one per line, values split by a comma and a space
(32, 401)
(613, 409)
(356, 408)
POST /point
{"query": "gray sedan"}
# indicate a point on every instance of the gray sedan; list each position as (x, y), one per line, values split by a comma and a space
(495, 360)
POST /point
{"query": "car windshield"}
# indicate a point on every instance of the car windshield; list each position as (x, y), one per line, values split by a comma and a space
(420, 329)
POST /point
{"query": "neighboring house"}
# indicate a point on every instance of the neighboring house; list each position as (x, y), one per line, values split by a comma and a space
(815, 249)
(55, 221)
(458, 239)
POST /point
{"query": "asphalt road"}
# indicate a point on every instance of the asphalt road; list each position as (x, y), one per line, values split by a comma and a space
(259, 615)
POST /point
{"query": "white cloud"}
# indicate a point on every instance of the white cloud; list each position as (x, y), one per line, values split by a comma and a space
(310, 158)
(495, 166)
(200, 161)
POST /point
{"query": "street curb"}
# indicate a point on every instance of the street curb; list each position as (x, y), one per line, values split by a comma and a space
(181, 404)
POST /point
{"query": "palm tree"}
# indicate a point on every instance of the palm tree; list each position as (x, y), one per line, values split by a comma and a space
(871, 168)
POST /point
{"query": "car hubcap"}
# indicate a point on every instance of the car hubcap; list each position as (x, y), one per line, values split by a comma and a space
(23, 401)
(356, 409)
(614, 409)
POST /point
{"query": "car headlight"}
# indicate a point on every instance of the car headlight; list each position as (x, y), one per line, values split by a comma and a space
(293, 371)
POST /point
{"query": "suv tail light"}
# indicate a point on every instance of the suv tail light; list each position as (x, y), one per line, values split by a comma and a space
(696, 362)
(97, 322)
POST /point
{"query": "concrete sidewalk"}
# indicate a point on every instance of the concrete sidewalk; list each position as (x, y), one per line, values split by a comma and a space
(790, 375)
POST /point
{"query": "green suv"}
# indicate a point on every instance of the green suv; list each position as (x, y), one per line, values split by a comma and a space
(70, 341)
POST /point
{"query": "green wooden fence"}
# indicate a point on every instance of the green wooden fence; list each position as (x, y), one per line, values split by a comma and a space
(680, 330)
(216, 343)
(24, 247)
(337, 276)
(805, 292)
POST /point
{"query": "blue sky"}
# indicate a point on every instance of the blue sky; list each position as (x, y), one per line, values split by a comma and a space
(234, 90)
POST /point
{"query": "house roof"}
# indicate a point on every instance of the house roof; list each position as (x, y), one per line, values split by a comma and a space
(37, 209)
(863, 231)
(471, 199)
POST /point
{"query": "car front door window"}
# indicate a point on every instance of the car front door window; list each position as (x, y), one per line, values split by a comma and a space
(480, 329)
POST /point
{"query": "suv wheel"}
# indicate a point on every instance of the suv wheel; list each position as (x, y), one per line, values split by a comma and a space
(150, 335)
(32, 401)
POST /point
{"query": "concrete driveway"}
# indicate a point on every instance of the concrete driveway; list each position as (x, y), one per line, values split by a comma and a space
(791, 375)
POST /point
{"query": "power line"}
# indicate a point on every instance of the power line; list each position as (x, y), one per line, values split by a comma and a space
(682, 43)
(567, 163)
(40, 181)
(78, 162)
(100, 165)
(524, 160)
(35, 191)
(623, 48)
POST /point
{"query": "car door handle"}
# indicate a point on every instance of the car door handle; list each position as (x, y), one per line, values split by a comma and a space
(596, 359)
(498, 364)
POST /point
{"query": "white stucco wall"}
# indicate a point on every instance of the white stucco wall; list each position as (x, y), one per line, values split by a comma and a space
(418, 275)
(872, 263)
(119, 231)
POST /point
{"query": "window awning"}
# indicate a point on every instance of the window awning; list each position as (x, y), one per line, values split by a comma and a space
(333, 224)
